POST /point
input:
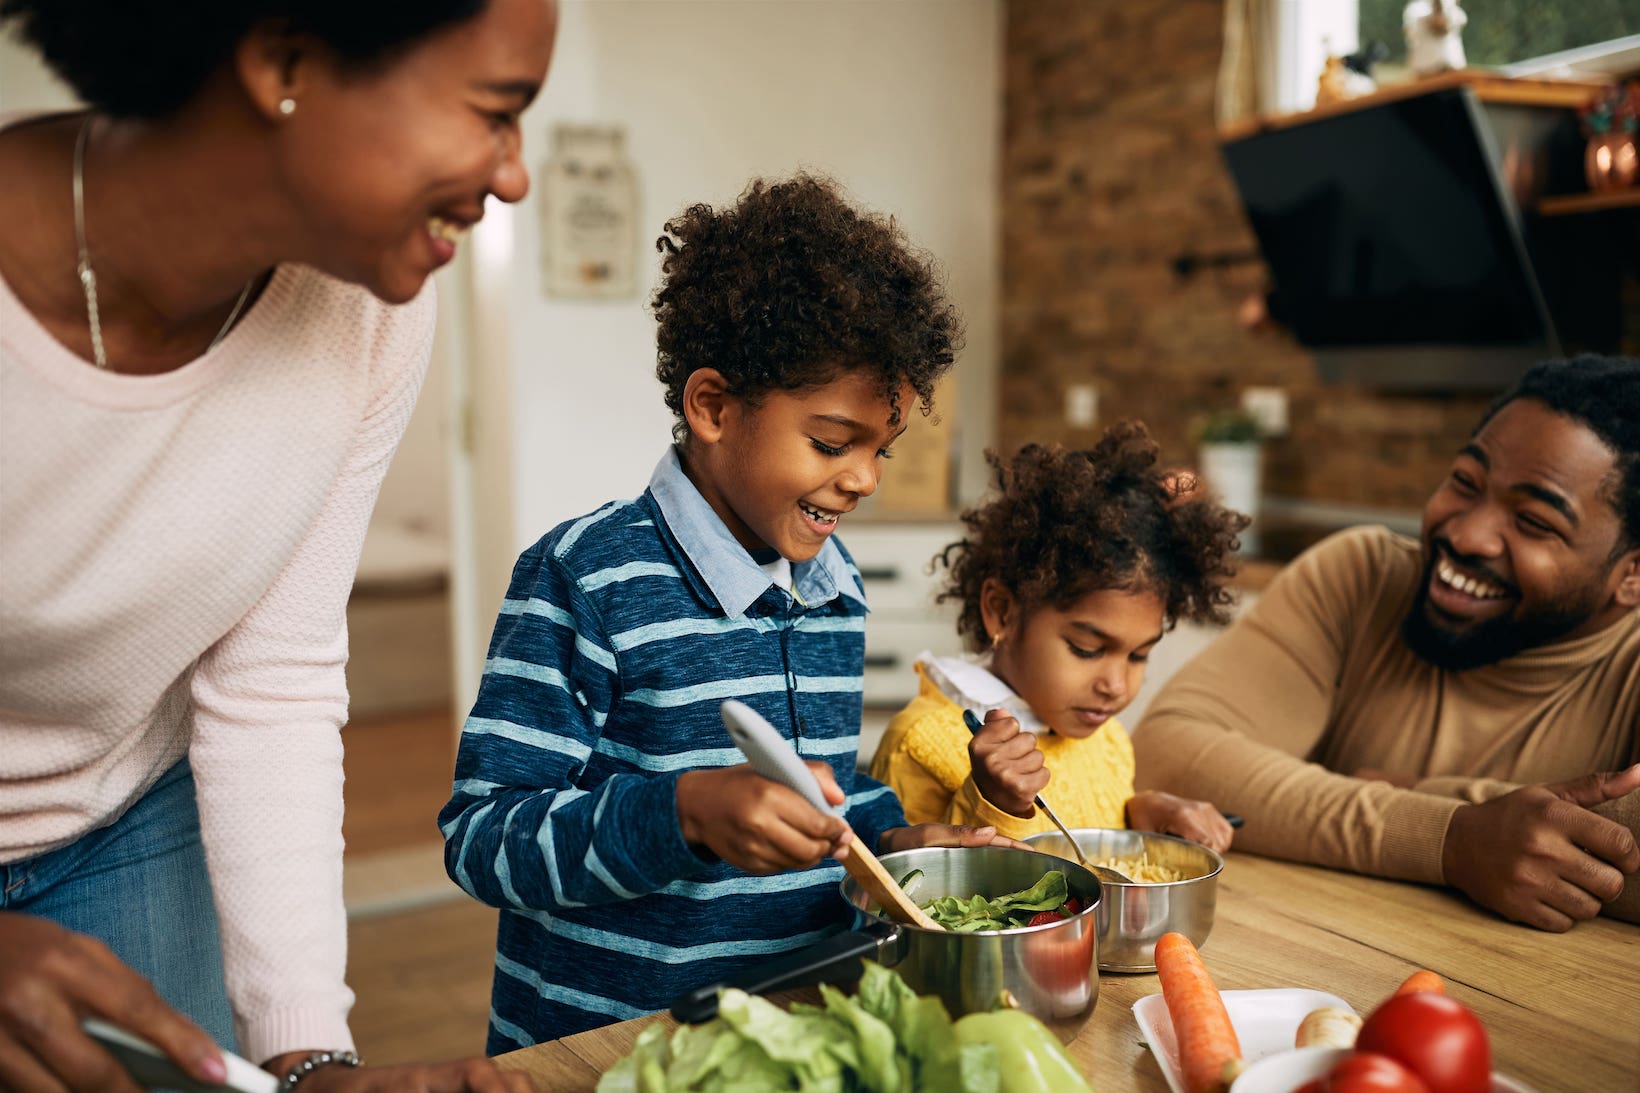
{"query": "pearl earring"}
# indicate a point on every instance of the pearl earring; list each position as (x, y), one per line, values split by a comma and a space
(287, 106)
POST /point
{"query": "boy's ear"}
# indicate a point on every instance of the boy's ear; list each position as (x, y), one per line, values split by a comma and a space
(996, 608)
(706, 402)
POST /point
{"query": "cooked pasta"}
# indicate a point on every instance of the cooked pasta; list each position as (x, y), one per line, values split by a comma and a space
(1142, 870)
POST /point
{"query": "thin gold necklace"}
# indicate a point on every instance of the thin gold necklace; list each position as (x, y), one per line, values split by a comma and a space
(88, 279)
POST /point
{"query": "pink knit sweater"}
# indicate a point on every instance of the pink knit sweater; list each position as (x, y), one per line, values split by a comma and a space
(176, 553)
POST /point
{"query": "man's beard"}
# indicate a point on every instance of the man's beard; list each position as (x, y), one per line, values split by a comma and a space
(1460, 649)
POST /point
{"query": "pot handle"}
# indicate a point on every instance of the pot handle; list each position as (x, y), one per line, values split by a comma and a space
(813, 964)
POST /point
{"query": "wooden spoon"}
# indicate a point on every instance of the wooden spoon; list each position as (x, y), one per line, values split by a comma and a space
(772, 756)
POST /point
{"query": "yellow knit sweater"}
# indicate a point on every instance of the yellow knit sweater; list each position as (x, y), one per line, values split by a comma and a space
(923, 758)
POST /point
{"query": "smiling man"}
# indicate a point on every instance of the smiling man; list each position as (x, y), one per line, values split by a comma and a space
(1464, 710)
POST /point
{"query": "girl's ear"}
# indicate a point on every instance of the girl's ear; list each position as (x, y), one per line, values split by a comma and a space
(706, 404)
(998, 609)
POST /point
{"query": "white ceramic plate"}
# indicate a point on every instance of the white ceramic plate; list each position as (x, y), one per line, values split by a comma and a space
(1265, 1022)
(1285, 1072)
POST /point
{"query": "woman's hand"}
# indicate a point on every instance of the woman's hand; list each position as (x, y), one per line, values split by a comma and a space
(474, 1075)
(1197, 821)
(1008, 766)
(756, 824)
(910, 838)
(50, 978)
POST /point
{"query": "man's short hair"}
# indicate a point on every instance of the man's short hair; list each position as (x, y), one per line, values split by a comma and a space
(1603, 395)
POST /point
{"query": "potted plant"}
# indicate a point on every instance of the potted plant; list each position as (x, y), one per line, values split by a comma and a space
(1230, 450)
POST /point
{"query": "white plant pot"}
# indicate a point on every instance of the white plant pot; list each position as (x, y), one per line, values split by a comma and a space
(1236, 473)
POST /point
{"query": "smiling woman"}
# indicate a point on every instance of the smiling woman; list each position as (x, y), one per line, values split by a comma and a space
(214, 322)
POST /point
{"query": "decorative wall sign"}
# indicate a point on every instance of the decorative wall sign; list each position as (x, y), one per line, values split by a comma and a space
(589, 213)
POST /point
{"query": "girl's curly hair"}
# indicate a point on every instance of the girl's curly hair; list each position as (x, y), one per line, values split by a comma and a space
(1064, 524)
(792, 286)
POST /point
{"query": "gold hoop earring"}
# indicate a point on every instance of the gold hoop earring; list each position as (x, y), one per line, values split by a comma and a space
(996, 639)
(287, 106)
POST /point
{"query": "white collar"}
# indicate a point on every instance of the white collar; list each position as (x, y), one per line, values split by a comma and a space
(969, 682)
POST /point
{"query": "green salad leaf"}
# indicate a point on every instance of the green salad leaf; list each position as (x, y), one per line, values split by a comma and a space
(1003, 912)
(885, 1039)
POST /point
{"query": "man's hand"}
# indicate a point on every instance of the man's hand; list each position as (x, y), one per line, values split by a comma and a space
(1008, 766)
(756, 824)
(462, 1076)
(910, 838)
(1539, 856)
(49, 979)
(1197, 821)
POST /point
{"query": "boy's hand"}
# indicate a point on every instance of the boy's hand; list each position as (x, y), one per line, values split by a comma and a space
(1008, 766)
(910, 838)
(758, 825)
(1197, 821)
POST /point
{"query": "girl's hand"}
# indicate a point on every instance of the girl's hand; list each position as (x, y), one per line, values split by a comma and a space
(475, 1075)
(758, 825)
(1008, 767)
(50, 978)
(1197, 821)
(910, 838)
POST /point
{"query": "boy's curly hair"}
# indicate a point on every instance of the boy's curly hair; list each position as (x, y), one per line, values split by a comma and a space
(789, 288)
(1067, 523)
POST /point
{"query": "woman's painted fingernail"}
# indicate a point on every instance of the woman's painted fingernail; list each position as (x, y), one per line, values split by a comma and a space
(213, 1069)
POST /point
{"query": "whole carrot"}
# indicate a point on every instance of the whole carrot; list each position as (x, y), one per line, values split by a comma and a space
(1421, 981)
(1209, 1053)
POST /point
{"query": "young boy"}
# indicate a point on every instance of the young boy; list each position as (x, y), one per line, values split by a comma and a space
(598, 800)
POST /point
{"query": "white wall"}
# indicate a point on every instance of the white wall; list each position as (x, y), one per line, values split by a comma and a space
(26, 83)
(897, 99)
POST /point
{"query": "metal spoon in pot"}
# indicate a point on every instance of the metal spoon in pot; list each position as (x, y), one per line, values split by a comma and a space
(1103, 872)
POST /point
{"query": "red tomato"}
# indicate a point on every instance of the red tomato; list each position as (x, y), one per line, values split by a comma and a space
(1435, 1037)
(1366, 1072)
(1045, 916)
(1312, 1086)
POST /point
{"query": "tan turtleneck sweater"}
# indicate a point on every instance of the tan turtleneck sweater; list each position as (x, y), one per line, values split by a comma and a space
(1315, 682)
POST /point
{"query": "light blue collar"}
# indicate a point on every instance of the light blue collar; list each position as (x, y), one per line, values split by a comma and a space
(733, 576)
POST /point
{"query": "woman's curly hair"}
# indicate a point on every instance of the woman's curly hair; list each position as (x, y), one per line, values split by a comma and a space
(789, 288)
(1064, 524)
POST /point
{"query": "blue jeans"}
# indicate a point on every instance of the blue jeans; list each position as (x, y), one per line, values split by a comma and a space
(139, 886)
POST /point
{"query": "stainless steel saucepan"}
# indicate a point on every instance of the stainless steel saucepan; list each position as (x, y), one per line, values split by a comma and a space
(1049, 971)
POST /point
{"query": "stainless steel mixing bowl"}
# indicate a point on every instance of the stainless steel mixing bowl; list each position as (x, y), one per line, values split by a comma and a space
(1132, 916)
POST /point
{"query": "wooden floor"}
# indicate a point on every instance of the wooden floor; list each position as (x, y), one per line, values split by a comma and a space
(399, 771)
(422, 976)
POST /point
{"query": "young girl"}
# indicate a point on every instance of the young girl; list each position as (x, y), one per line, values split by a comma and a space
(1068, 578)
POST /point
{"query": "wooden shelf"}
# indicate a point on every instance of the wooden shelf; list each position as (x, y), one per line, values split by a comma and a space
(1487, 87)
(1567, 204)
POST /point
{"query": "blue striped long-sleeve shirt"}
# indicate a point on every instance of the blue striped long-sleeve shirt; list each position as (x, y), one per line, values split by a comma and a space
(621, 634)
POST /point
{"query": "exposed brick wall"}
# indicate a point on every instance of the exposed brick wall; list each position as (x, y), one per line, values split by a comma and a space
(1110, 169)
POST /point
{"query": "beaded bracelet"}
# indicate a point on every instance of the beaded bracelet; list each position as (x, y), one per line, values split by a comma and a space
(314, 1062)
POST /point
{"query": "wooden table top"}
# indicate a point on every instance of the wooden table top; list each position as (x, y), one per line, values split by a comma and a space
(1562, 1010)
